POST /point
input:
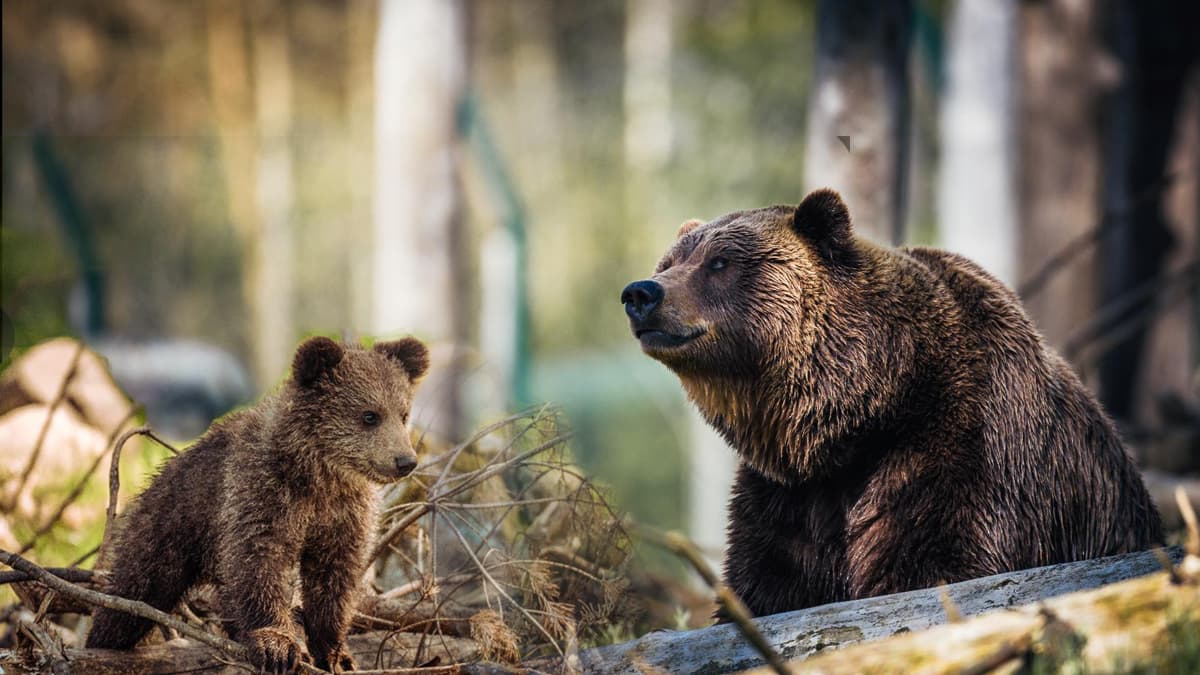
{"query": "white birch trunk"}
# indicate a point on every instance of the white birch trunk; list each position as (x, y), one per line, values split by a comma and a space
(976, 209)
(420, 75)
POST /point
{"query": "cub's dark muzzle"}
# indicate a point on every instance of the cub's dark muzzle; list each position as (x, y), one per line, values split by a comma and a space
(405, 465)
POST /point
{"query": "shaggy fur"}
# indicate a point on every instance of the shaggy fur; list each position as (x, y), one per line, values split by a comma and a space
(898, 419)
(287, 484)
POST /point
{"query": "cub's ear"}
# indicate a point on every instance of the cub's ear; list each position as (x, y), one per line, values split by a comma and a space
(410, 352)
(315, 356)
(823, 219)
(688, 226)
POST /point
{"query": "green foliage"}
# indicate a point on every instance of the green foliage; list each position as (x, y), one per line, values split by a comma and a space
(1177, 654)
(1060, 652)
(35, 280)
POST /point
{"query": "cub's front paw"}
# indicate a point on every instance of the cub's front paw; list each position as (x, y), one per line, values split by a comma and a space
(335, 660)
(274, 650)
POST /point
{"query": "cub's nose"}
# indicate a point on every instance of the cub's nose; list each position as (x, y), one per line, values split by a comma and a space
(405, 465)
(641, 297)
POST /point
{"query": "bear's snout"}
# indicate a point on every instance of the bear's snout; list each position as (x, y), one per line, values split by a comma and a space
(641, 297)
(405, 465)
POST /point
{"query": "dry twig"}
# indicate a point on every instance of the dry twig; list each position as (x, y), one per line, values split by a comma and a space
(96, 598)
(41, 438)
(75, 492)
(737, 610)
(114, 475)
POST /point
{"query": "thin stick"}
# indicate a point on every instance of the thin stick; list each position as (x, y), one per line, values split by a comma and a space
(386, 540)
(53, 648)
(141, 609)
(1058, 261)
(114, 474)
(41, 439)
(418, 584)
(66, 503)
(76, 491)
(500, 589)
(1189, 517)
(684, 548)
(1134, 301)
(71, 574)
(79, 561)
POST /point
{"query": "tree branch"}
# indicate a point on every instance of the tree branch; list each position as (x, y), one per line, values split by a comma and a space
(41, 439)
(684, 548)
(70, 590)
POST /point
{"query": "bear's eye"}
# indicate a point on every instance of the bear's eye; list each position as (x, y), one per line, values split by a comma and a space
(370, 418)
(717, 264)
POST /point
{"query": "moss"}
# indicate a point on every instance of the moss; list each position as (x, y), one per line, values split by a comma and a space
(835, 636)
(1177, 652)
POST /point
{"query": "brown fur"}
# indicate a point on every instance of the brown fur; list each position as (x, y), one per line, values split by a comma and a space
(899, 420)
(287, 484)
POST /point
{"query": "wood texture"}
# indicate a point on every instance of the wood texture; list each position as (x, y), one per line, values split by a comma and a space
(807, 632)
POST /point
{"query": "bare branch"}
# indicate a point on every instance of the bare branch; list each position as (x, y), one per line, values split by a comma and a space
(1189, 517)
(67, 589)
(737, 610)
(71, 574)
(500, 589)
(41, 439)
(75, 492)
(114, 474)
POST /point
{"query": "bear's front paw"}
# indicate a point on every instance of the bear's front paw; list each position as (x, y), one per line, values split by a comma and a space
(274, 650)
(335, 660)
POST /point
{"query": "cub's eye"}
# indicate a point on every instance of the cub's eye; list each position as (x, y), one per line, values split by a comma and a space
(371, 418)
(717, 264)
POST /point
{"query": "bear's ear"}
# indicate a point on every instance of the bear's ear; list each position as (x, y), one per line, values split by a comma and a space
(314, 357)
(410, 352)
(688, 226)
(823, 219)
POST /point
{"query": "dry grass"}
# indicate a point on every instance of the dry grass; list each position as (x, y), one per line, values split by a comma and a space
(499, 539)
(504, 523)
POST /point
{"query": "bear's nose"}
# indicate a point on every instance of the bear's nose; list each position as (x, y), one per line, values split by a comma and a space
(641, 297)
(405, 465)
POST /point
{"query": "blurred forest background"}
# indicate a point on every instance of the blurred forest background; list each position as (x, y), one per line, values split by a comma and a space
(192, 187)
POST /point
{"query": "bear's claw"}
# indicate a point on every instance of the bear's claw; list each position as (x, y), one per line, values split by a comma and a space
(274, 650)
(336, 660)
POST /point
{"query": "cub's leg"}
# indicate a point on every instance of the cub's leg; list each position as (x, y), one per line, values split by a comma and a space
(153, 564)
(261, 537)
(331, 567)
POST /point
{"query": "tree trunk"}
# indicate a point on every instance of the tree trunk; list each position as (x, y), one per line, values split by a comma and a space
(1145, 119)
(860, 92)
(1133, 626)
(271, 252)
(420, 261)
(976, 197)
(1061, 71)
(805, 632)
(648, 41)
(361, 21)
(395, 650)
(252, 104)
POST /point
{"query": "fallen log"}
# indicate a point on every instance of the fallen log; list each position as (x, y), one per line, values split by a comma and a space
(803, 633)
(375, 651)
(1148, 624)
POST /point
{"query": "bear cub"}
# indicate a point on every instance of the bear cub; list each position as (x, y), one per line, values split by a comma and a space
(287, 484)
(898, 419)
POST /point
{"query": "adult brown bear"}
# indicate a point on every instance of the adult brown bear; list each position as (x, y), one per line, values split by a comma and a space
(898, 419)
